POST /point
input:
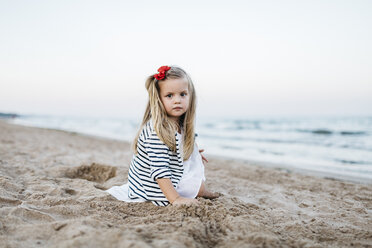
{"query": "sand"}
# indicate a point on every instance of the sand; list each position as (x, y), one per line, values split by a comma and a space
(52, 195)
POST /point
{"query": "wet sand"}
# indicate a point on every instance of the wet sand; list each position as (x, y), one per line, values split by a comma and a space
(51, 195)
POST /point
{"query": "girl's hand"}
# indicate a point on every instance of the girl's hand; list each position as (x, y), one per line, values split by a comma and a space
(211, 195)
(203, 158)
(182, 200)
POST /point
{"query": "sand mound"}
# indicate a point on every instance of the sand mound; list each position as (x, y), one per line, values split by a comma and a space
(94, 172)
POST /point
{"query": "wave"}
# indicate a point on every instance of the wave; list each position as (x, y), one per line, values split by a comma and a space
(353, 133)
(344, 161)
(238, 126)
(329, 132)
(338, 143)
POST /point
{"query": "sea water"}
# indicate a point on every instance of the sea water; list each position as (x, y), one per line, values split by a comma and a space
(337, 146)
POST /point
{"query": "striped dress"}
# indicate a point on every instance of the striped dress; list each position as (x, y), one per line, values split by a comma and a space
(153, 160)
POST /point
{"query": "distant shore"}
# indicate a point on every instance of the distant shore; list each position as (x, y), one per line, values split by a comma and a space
(8, 115)
(53, 185)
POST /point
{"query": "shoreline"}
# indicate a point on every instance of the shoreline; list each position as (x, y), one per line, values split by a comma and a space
(52, 194)
(302, 171)
(248, 162)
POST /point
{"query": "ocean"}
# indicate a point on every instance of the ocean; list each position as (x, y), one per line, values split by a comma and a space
(340, 147)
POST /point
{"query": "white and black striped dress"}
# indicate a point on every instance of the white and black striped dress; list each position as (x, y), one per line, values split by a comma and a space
(153, 160)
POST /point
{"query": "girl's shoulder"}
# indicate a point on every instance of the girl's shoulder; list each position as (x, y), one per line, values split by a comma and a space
(150, 137)
(148, 131)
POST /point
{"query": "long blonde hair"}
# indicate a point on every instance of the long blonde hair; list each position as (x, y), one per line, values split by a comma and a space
(164, 127)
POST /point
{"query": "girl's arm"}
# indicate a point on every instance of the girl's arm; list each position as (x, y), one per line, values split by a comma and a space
(166, 186)
(171, 194)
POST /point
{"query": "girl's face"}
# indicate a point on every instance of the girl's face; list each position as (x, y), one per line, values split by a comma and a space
(174, 94)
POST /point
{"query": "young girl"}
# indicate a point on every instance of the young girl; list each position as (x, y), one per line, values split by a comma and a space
(167, 166)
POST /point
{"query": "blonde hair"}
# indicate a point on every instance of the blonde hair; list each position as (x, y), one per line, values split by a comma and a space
(164, 127)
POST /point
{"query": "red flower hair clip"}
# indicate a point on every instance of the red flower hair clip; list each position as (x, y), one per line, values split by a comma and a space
(162, 70)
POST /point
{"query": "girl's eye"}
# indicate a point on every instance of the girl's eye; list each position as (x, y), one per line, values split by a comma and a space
(183, 94)
(169, 95)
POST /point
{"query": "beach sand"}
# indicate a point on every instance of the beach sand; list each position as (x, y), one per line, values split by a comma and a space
(52, 195)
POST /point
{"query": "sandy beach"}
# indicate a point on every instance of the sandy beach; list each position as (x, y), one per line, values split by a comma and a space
(52, 195)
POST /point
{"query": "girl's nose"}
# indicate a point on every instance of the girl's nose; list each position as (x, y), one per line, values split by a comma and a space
(177, 99)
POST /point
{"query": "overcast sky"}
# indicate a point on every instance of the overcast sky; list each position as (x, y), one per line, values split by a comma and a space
(246, 58)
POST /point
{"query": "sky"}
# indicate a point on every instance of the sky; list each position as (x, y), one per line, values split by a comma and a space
(246, 58)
